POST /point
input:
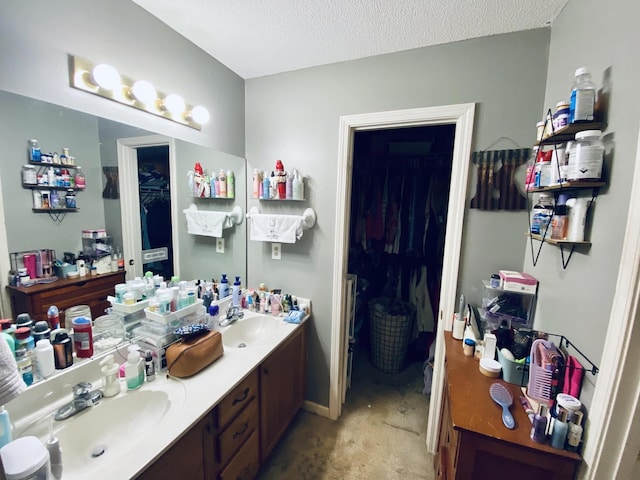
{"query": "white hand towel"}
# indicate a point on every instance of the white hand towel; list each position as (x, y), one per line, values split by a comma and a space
(210, 224)
(11, 383)
(276, 228)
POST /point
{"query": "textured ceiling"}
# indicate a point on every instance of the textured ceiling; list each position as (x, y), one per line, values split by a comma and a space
(262, 37)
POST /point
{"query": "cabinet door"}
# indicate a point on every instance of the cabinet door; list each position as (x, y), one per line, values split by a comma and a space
(282, 385)
(185, 459)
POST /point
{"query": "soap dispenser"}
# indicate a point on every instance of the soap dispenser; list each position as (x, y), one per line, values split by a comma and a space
(235, 302)
(134, 369)
(110, 383)
(224, 286)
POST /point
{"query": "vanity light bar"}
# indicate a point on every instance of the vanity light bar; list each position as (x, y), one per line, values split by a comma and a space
(105, 81)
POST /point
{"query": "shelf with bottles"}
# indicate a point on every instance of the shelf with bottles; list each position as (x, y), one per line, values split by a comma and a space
(280, 186)
(566, 133)
(558, 241)
(215, 186)
(569, 185)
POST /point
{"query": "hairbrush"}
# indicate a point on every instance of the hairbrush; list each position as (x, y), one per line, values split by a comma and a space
(502, 397)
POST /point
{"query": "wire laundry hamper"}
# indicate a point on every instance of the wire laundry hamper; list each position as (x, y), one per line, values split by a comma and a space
(391, 327)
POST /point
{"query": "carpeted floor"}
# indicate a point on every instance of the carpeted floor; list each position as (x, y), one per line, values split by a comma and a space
(380, 435)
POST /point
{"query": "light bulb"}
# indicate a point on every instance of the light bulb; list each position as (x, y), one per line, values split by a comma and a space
(174, 104)
(144, 91)
(200, 115)
(106, 76)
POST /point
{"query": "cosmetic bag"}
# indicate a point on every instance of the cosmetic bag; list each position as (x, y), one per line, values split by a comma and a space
(190, 355)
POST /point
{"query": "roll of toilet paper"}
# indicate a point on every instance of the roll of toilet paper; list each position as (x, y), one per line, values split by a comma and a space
(458, 326)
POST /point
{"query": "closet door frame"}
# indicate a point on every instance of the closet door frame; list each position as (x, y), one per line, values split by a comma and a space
(460, 115)
(130, 201)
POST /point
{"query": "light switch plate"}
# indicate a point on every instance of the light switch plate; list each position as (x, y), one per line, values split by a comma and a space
(219, 245)
(276, 251)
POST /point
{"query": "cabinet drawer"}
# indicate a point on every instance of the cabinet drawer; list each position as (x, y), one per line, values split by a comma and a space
(235, 400)
(232, 437)
(245, 464)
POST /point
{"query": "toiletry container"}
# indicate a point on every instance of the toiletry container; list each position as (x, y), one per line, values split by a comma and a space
(231, 184)
(560, 429)
(55, 457)
(539, 425)
(235, 302)
(149, 366)
(26, 458)
(574, 437)
(82, 337)
(134, 369)
(224, 286)
(44, 358)
(5, 427)
(266, 186)
(583, 97)
(109, 370)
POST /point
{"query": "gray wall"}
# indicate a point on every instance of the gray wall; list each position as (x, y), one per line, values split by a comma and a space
(37, 35)
(294, 117)
(577, 301)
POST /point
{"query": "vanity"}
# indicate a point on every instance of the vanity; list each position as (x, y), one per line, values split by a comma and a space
(219, 424)
(473, 443)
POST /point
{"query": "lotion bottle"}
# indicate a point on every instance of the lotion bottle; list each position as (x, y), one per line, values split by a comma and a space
(224, 286)
(266, 186)
(5, 427)
(560, 428)
(110, 383)
(574, 437)
(134, 369)
(235, 302)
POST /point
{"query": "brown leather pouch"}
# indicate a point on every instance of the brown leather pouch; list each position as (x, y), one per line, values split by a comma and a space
(188, 356)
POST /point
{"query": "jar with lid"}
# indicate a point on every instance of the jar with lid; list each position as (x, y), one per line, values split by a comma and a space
(70, 199)
(561, 115)
(541, 214)
(586, 156)
(29, 175)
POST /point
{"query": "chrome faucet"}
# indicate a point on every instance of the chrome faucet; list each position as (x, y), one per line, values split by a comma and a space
(234, 313)
(83, 398)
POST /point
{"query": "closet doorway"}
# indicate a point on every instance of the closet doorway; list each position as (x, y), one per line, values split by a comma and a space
(146, 167)
(461, 116)
(155, 210)
(398, 216)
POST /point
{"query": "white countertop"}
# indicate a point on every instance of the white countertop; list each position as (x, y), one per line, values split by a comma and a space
(191, 398)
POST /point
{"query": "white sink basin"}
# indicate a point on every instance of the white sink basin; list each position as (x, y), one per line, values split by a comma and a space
(250, 330)
(101, 434)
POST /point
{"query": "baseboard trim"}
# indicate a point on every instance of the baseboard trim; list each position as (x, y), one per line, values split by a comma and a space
(316, 408)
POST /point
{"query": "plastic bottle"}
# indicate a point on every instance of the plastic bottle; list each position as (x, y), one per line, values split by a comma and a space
(541, 214)
(266, 186)
(5, 427)
(149, 287)
(586, 156)
(134, 369)
(224, 286)
(120, 260)
(298, 187)
(273, 186)
(82, 337)
(231, 184)
(222, 184)
(80, 181)
(62, 349)
(23, 360)
(574, 437)
(235, 302)
(183, 298)
(55, 457)
(149, 366)
(583, 97)
(560, 429)
(44, 356)
(109, 370)
(34, 151)
(539, 425)
(289, 189)
(53, 317)
(578, 208)
(257, 181)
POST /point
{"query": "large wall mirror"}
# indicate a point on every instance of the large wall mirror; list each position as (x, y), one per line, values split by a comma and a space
(94, 141)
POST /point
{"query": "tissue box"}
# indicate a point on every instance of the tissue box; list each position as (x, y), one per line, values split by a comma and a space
(518, 282)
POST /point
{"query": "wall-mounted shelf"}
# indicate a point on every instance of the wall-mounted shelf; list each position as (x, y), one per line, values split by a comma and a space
(567, 186)
(568, 132)
(49, 187)
(56, 214)
(565, 245)
(280, 199)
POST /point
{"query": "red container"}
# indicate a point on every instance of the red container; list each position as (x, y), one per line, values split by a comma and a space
(82, 337)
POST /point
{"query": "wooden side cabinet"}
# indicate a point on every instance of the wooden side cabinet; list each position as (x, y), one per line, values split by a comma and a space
(474, 444)
(282, 388)
(91, 290)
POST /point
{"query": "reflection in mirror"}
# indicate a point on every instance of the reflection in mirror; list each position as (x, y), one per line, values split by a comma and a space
(93, 142)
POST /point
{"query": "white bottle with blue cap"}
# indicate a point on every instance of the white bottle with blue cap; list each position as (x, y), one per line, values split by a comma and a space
(235, 302)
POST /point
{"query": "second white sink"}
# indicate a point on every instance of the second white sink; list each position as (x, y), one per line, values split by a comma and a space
(249, 331)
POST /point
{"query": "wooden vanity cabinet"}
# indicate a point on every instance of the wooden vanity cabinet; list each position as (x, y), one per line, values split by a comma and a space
(237, 435)
(473, 443)
(91, 290)
(282, 388)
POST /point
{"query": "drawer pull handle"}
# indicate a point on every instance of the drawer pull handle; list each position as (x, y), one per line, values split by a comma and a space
(241, 432)
(241, 398)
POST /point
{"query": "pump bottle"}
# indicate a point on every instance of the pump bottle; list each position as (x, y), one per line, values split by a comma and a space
(134, 369)
(235, 302)
(110, 383)
(224, 286)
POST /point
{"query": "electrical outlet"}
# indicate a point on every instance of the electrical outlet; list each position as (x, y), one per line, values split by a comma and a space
(219, 245)
(276, 251)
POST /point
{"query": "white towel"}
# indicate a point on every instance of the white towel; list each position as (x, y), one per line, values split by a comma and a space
(276, 228)
(11, 383)
(210, 224)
